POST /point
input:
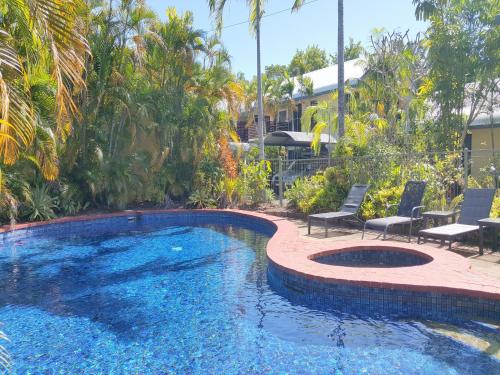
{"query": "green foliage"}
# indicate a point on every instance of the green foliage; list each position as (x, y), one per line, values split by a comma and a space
(324, 191)
(441, 174)
(313, 58)
(230, 195)
(495, 210)
(253, 182)
(320, 119)
(70, 200)
(387, 175)
(351, 51)
(463, 56)
(160, 95)
(152, 115)
(377, 201)
(306, 86)
(38, 203)
(303, 190)
(201, 199)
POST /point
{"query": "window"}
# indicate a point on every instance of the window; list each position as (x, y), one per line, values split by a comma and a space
(283, 116)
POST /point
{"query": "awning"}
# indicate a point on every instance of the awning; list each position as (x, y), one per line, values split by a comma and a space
(286, 138)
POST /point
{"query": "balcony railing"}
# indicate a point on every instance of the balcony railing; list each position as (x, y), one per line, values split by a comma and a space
(284, 126)
(246, 133)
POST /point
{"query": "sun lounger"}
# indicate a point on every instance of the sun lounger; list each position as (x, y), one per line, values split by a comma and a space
(477, 205)
(348, 210)
(408, 210)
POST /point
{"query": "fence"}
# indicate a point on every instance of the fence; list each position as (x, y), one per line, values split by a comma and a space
(453, 170)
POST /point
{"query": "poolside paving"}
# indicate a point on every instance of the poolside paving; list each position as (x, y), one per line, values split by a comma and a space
(488, 263)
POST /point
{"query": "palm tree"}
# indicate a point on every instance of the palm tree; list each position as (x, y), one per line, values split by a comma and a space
(340, 56)
(424, 9)
(24, 29)
(256, 12)
(318, 118)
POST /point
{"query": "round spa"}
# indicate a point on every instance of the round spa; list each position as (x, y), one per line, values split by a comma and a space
(379, 257)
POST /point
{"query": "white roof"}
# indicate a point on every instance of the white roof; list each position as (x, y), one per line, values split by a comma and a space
(326, 79)
(484, 119)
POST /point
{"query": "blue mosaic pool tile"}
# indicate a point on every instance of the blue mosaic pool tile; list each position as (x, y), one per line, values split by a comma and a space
(130, 222)
(360, 299)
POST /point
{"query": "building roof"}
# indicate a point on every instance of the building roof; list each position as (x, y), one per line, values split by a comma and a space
(483, 120)
(285, 138)
(326, 79)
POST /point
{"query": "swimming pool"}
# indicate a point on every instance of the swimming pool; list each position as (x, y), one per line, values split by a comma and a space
(188, 293)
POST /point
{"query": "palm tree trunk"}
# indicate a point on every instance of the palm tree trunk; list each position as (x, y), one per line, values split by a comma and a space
(340, 53)
(260, 101)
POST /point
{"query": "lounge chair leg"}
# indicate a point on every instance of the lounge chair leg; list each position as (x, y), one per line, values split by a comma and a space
(326, 228)
(409, 234)
(418, 239)
(308, 225)
(449, 245)
(385, 233)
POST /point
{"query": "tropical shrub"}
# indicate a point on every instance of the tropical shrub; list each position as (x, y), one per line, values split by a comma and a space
(303, 190)
(8, 201)
(229, 194)
(201, 199)
(70, 200)
(495, 210)
(253, 182)
(377, 201)
(323, 191)
(38, 203)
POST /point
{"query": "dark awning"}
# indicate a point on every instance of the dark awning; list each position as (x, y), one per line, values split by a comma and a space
(286, 138)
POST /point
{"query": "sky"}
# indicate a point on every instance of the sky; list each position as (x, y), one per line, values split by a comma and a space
(284, 33)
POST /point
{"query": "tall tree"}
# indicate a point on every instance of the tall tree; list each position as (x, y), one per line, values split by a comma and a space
(463, 59)
(351, 51)
(395, 67)
(341, 83)
(313, 58)
(260, 96)
(25, 27)
(256, 8)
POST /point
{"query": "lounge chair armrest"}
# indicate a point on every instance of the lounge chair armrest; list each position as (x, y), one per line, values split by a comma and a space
(417, 208)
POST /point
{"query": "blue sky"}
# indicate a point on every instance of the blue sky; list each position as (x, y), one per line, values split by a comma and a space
(284, 33)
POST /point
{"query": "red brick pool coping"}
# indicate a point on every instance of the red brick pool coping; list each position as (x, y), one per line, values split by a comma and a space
(447, 273)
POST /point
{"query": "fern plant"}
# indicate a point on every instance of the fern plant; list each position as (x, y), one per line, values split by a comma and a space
(201, 199)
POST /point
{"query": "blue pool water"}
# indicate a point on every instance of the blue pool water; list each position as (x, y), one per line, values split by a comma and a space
(179, 299)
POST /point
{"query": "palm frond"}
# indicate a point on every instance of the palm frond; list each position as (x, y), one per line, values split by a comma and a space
(16, 114)
(46, 153)
(297, 4)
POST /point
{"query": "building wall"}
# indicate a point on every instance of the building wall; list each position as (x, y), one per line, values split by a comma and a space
(481, 148)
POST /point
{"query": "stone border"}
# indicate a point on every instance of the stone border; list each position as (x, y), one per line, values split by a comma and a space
(448, 273)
